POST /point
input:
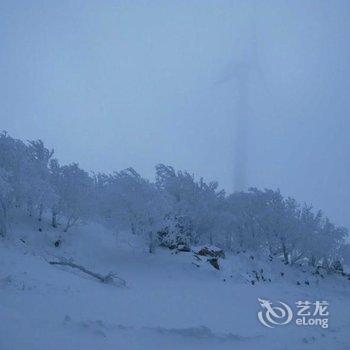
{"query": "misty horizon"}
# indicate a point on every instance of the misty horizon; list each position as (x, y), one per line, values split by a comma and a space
(124, 85)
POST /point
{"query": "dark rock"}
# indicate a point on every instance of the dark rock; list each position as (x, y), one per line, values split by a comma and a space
(214, 262)
(211, 251)
(57, 243)
(183, 248)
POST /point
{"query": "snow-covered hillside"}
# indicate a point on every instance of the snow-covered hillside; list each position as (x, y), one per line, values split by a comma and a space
(168, 302)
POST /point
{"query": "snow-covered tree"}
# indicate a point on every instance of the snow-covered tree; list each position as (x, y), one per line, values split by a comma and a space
(130, 202)
(6, 199)
(193, 202)
(175, 209)
(41, 194)
(74, 188)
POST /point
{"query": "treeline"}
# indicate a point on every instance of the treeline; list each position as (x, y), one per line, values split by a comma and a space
(174, 209)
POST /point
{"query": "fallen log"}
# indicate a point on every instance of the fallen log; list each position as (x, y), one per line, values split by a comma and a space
(109, 278)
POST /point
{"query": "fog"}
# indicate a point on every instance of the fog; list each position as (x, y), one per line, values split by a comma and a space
(115, 84)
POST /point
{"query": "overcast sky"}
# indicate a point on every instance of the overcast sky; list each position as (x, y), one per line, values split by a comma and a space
(113, 84)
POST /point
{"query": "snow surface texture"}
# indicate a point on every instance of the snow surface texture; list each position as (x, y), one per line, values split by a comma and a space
(170, 301)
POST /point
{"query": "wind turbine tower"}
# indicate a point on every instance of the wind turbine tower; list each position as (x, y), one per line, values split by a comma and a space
(244, 68)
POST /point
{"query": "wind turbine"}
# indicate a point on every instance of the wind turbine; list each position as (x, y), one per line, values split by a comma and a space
(241, 71)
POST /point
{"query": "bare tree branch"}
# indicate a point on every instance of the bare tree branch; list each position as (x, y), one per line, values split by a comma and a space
(109, 278)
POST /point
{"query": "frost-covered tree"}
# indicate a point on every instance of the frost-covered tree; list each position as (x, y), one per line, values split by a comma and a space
(15, 186)
(6, 199)
(74, 188)
(14, 161)
(268, 223)
(41, 194)
(130, 202)
(175, 209)
(26, 169)
(193, 202)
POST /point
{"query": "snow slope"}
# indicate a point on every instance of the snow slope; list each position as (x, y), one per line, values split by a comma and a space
(168, 302)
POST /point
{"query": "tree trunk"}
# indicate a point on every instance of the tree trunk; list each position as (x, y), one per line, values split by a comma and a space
(67, 225)
(285, 253)
(30, 209)
(41, 209)
(104, 279)
(211, 239)
(3, 228)
(3, 223)
(228, 241)
(151, 243)
(54, 219)
(133, 230)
